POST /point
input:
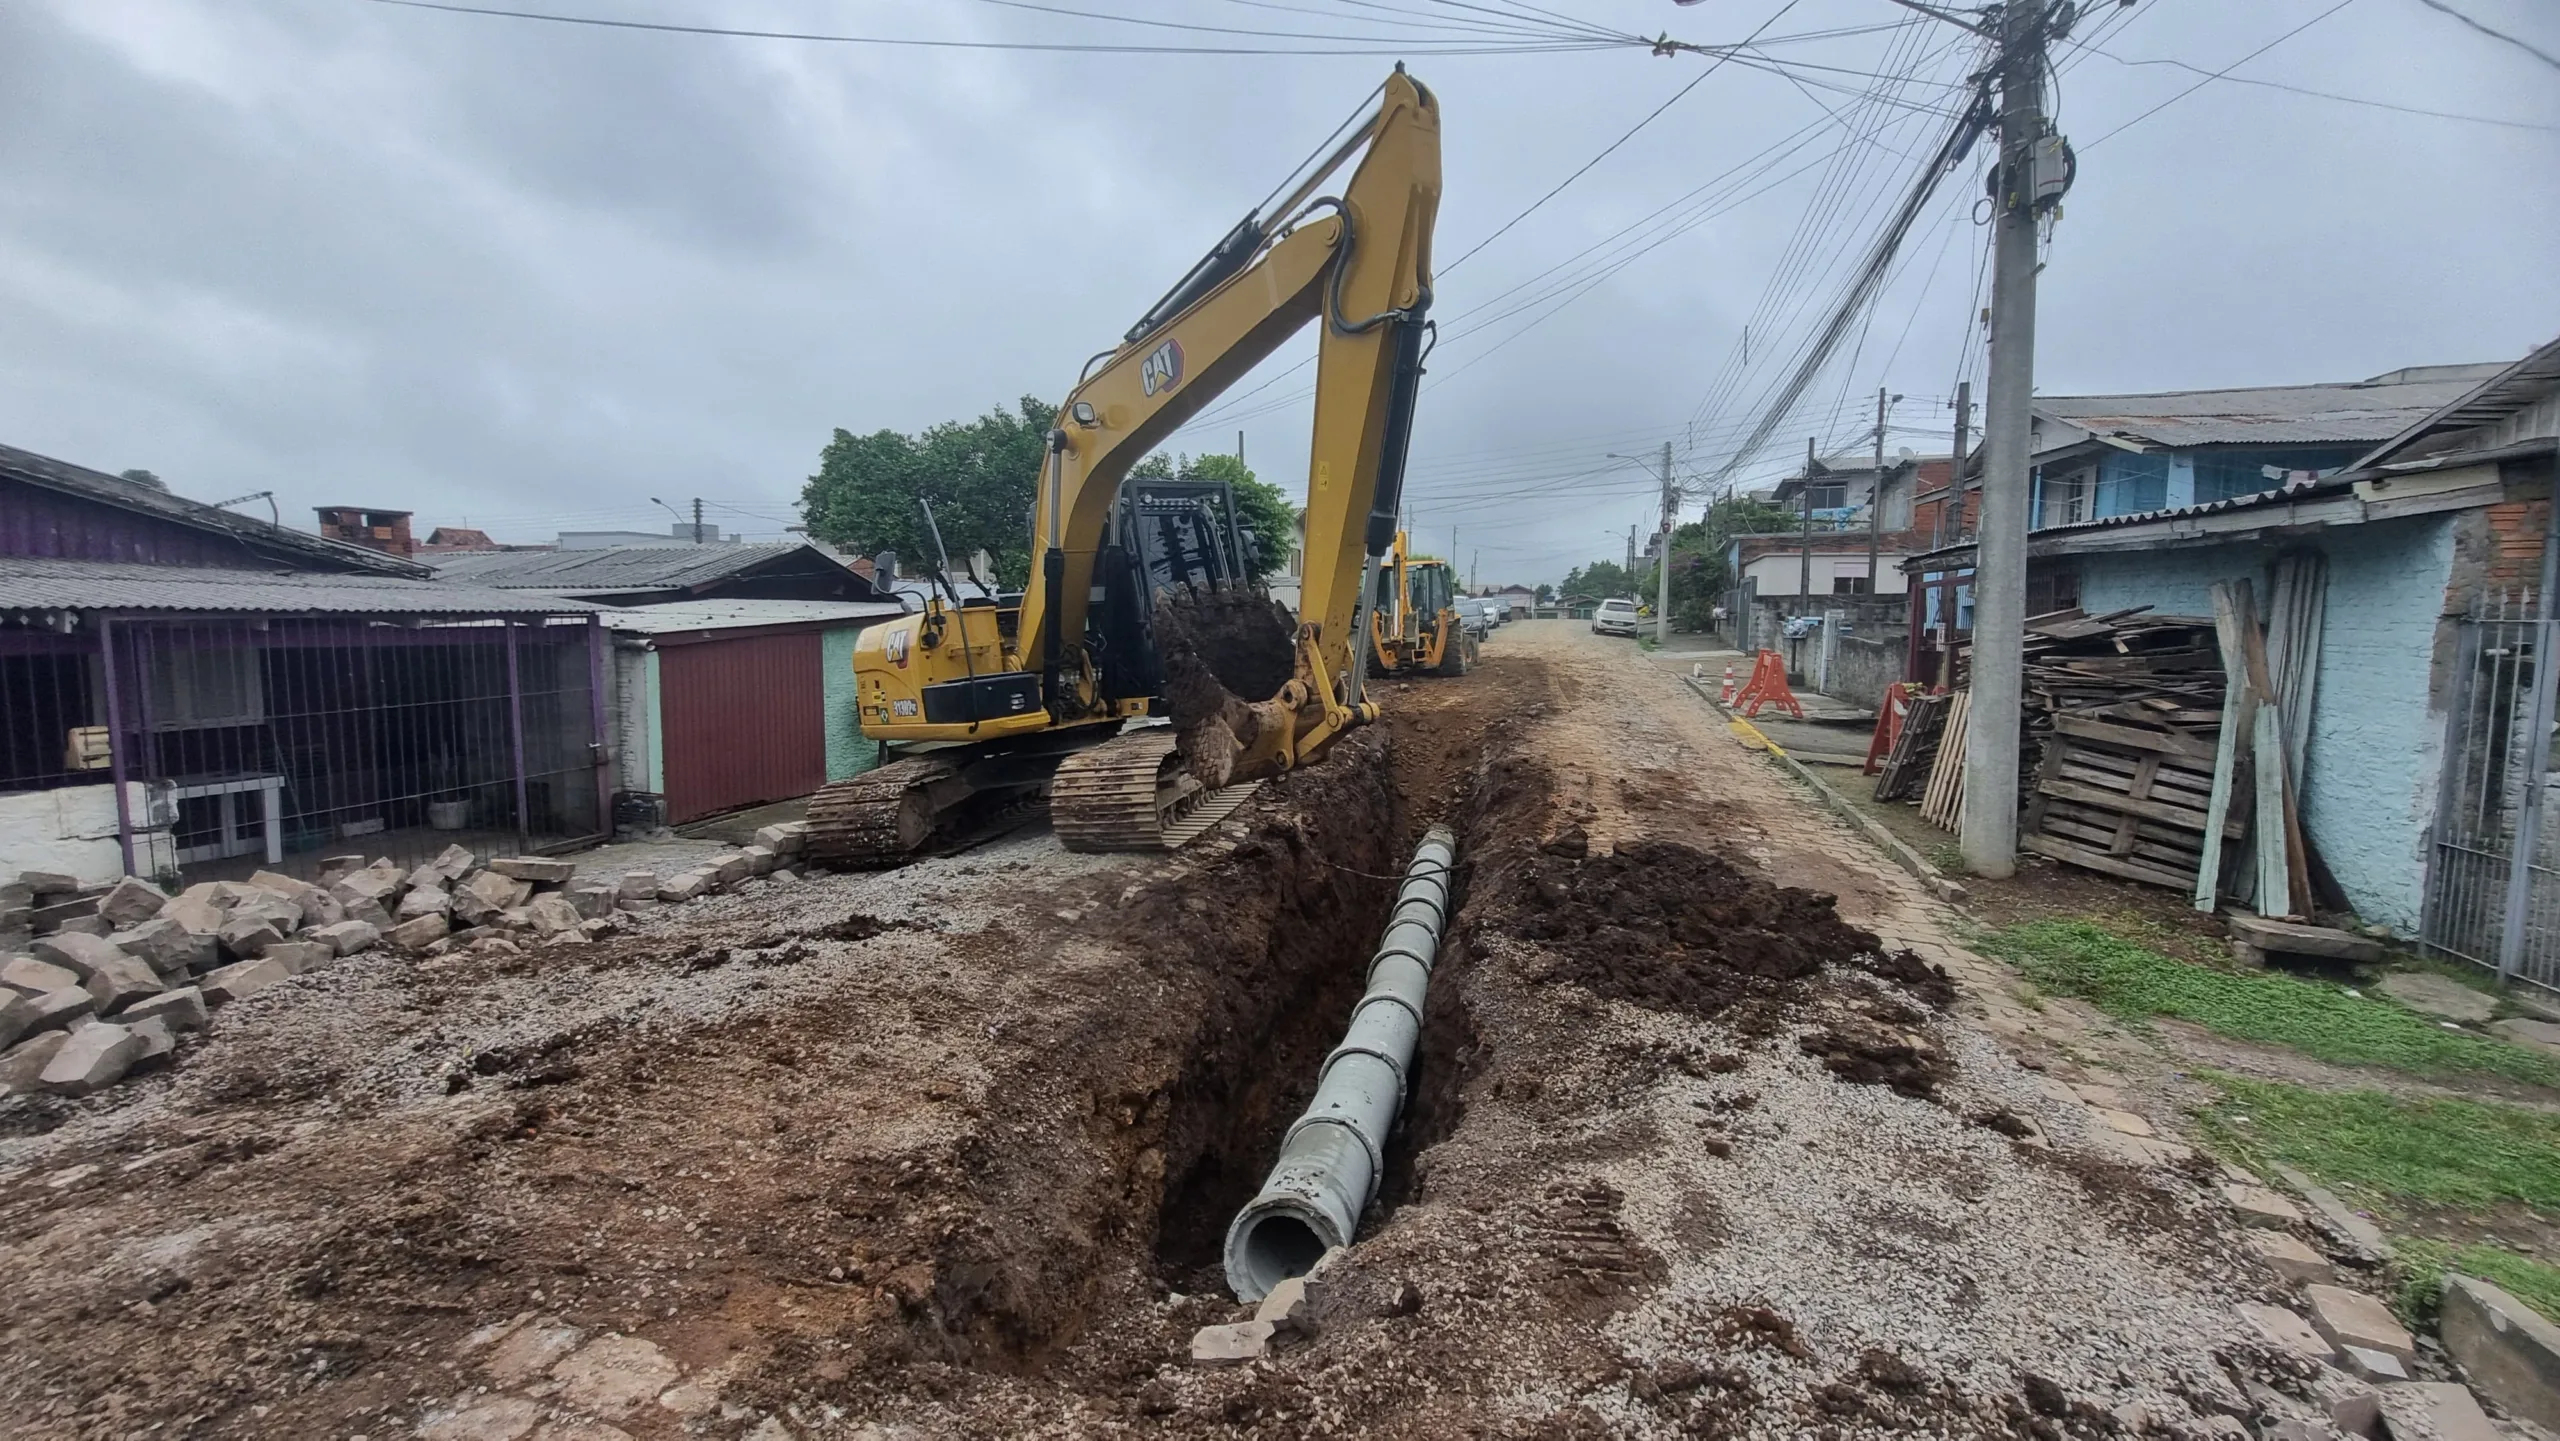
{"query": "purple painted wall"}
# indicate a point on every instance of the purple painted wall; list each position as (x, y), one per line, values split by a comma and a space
(36, 522)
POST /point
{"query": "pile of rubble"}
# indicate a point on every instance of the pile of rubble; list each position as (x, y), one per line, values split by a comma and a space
(96, 985)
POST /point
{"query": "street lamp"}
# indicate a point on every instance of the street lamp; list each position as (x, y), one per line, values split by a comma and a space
(1662, 546)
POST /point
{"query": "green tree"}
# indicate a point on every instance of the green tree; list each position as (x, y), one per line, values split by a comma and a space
(1546, 592)
(980, 475)
(1599, 580)
(1259, 503)
(1701, 571)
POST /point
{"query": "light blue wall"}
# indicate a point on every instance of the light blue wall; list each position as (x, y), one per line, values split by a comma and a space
(2376, 740)
(849, 752)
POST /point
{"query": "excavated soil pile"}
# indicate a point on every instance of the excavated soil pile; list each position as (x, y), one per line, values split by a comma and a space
(1676, 929)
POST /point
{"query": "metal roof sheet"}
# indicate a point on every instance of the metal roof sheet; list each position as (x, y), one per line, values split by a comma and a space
(679, 616)
(616, 567)
(105, 489)
(43, 584)
(2363, 411)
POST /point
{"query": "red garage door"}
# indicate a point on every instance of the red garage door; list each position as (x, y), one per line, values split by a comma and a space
(745, 722)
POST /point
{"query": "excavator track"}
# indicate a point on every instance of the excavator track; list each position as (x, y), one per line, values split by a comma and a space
(884, 817)
(1132, 794)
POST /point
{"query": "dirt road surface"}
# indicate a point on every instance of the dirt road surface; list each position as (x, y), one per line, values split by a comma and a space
(1694, 1148)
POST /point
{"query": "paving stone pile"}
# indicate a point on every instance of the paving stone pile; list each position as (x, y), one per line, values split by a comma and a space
(97, 984)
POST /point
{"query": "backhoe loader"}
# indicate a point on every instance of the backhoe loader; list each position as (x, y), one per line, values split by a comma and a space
(1414, 627)
(1139, 611)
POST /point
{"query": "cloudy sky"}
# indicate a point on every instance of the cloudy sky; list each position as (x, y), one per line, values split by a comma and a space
(527, 276)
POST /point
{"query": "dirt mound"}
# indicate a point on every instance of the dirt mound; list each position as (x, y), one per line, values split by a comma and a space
(1223, 652)
(1868, 1054)
(1678, 929)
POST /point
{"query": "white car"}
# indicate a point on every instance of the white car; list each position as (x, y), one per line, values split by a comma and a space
(1614, 617)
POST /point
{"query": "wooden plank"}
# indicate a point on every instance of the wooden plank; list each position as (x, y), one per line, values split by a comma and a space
(2275, 861)
(2284, 817)
(1944, 806)
(2220, 811)
(2301, 940)
(2104, 864)
(2167, 743)
(2184, 817)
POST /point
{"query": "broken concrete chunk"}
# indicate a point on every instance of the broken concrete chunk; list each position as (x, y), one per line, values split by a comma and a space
(612, 1375)
(637, 885)
(2289, 1256)
(2336, 1216)
(419, 933)
(2285, 1330)
(22, 1067)
(79, 954)
(551, 913)
(423, 901)
(2259, 1206)
(357, 887)
(2541, 1035)
(2440, 996)
(17, 1017)
(2434, 1411)
(66, 1007)
(761, 860)
(2506, 1349)
(2352, 1318)
(158, 1042)
(200, 916)
(348, 937)
(1285, 1305)
(94, 1057)
(86, 925)
(247, 937)
(482, 1418)
(241, 978)
(165, 944)
(590, 898)
(182, 1009)
(786, 876)
(48, 883)
(120, 981)
(687, 886)
(732, 868)
(30, 977)
(300, 956)
(539, 869)
(1231, 1343)
(334, 869)
(130, 902)
(2372, 1365)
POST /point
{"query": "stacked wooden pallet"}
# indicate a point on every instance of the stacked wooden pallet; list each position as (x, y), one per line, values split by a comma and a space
(2124, 711)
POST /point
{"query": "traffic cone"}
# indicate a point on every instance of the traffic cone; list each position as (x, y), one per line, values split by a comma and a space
(1728, 684)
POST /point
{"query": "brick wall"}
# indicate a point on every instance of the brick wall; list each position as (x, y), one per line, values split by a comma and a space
(2517, 531)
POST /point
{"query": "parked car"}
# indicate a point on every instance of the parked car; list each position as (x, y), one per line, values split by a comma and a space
(1614, 617)
(1475, 615)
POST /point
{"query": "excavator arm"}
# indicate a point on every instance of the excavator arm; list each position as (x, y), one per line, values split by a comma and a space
(1360, 265)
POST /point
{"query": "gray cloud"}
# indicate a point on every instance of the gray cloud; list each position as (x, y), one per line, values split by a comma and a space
(531, 276)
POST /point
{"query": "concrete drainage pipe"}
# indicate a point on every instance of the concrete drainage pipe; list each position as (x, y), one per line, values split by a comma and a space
(1331, 1160)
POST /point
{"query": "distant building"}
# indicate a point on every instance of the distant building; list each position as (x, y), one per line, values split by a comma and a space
(384, 530)
(680, 533)
(666, 571)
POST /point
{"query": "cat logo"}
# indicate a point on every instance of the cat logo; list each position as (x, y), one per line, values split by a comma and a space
(1162, 369)
(896, 646)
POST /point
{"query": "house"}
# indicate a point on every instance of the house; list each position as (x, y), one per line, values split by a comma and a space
(2421, 503)
(384, 530)
(692, 679)
(1518, 600)
(189, 693)
(627, 575)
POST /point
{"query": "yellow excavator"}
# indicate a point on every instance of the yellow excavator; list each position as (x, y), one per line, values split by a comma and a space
(1139, 609)
(1414, 627)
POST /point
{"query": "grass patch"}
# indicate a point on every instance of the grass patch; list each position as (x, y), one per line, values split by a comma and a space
(2134, 983)
(2422, 1265)
(2459, 1153)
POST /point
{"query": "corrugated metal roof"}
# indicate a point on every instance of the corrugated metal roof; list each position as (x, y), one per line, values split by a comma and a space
(2508, 394)
(105, 489)
(2364, 411)
(680, 616)
(618, 567)
(35, 584)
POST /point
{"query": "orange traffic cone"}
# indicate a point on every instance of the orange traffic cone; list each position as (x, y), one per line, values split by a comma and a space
(1728, 684)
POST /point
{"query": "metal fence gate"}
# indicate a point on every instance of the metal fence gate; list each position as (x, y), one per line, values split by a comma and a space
(2493, 890)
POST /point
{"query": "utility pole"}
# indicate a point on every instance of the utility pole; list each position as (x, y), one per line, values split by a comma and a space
(1631, 555)
(1990, 823)
(1472, 562)
(1875, 502)
(1954, 529)
(697, 520)
(1662, 563)
(1239, 448)
(1804, 577)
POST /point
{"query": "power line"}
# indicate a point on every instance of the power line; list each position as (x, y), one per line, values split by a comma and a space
(2528, 47)
(2216, 75)
(1032, 5)
(1058, 47)
(1611, 148)
(2343, 99)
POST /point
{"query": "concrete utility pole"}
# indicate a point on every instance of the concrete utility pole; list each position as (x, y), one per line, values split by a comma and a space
(1875, 501)
(1662, 565)
(1804, 576)
(1631, 555)
(1990, 823)
(1953, 527)
(697, 520)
